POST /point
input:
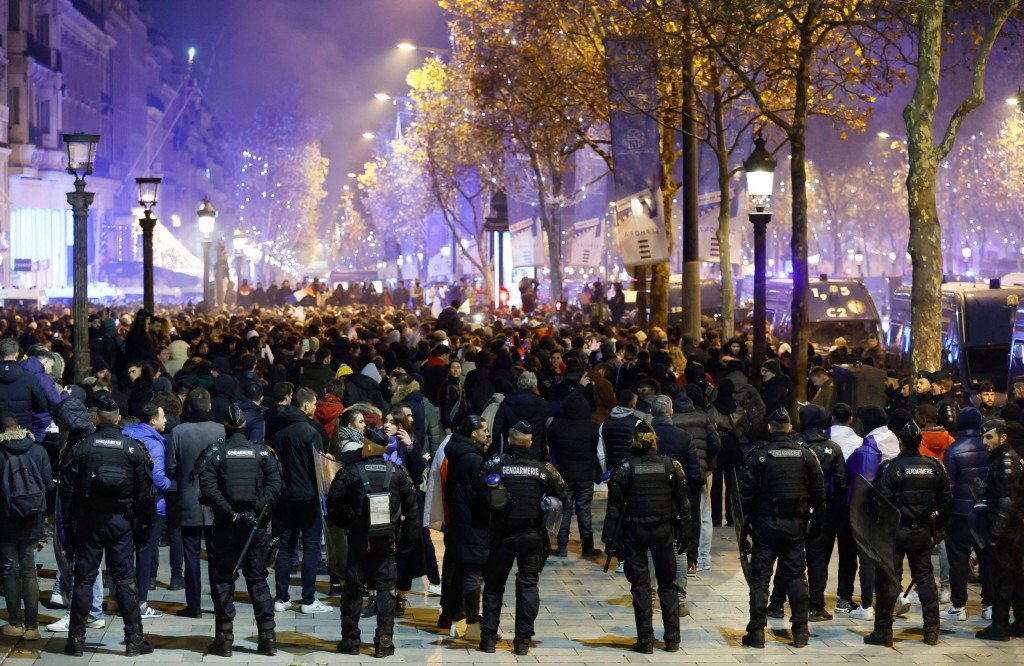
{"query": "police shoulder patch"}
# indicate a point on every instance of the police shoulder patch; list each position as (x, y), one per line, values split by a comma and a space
(109, 443)
(786, 453)
(241, 453)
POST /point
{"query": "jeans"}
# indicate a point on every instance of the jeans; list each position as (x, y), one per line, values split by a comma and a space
(20, 582)
(959, 542)
(147, 559)
(97, 592)
(848, 557)
(191, 539)
(579, 496)
(297, 518)
(706, 531)
(943, 564)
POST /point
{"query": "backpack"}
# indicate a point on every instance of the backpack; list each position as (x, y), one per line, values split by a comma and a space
(23, 493)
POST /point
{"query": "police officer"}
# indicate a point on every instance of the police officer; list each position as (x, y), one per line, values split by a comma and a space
(373, 499)
(1004, 489)
(106, 484)
(781, 487)
(917, 485)
(516, 486)
(647, 503)
(239, 481)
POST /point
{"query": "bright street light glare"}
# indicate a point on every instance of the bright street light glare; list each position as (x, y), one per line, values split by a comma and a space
(406, 46)
(351, 174)
(382, 96)
(884, 135)
(368, 135)
(1012, 101)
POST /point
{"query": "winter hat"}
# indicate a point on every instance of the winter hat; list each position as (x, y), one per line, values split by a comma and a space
(813, 417)
(969, 418)
(773, 366)
(873, 416)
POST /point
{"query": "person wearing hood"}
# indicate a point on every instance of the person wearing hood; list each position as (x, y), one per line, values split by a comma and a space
(317, 375)
(20, 528)
(775, 386)
(298, 513)
(363, 387)
(813, 420)
(330, 407)
(746, 396)
(149, 431)
(966, 463)
(20, 391)
(179, 354)
(572, 438)
(467, 522)
(735, 431)
(435, 371)
(225, 393)
(935, 437)
(707, 445)
(251, 404)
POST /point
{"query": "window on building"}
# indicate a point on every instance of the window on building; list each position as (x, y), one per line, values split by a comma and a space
(43, 29)
(13, 102)
(43, 116)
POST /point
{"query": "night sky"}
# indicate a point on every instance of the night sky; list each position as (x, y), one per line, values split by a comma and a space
(339, 52)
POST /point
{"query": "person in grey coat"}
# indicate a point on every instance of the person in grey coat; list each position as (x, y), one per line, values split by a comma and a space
(184, 447)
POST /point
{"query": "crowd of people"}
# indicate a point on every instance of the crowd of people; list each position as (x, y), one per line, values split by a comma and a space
(212, 432)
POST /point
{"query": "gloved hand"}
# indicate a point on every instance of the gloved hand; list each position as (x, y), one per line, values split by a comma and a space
(681, 545)
(246, 518)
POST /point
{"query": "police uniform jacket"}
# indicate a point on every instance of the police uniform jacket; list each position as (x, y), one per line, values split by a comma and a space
(781, 478)
(1004, 492)
(526, 482)
(635, 483)
(238, 475)
(347, 502)
(917, 485)
(833, 465)
(107, 472)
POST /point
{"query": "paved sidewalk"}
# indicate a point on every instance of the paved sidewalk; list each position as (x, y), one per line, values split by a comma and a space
(586, 618)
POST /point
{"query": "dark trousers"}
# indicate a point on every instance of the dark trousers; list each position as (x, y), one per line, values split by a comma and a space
(429, 554)
(97, 534)
(192, 538)
(525, 549)
(147, 559)
(292, 520)
(371, 562)
(177, 549)
(657, 538)
(460, 589)
(959, 543)
(819, 555)
(229, 540)
(694, 546)
(579, 496)
(916, 545)
(782, 540)
(848, 557)
(1007, 583)
(21, 586)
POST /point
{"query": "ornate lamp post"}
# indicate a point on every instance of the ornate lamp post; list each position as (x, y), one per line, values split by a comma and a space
(207, 219)
(760, 170)
(81, 154)
(238, 243)
(148, 190)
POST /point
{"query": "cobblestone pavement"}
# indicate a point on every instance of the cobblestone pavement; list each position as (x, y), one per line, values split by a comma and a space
(586, 618)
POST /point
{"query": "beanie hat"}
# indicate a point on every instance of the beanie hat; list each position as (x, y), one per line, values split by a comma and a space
(969, 418)
(773, 366)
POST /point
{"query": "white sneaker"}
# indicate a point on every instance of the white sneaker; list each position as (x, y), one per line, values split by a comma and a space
(902, 607)
(434, 590)
(986, 613)
(56, 599)
(861, 613)
(913, 598)
(316, 607)
(64, 624)
(944, 595)
(147, 612)
(458, 629)
(954, 613)
(620, 567)
(282, 606)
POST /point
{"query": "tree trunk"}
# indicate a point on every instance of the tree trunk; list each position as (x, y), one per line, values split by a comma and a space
(640, 275)
(724, 220)
(659, 293)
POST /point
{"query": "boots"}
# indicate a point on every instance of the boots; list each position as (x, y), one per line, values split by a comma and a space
(800, 635)
(644, 646)
(588, 548)
(222, 642)
(754, 638)
(931, 636)
(521, 646)
(383, 646)
(488, 643)
(75, 646)
(268, 642)
(135, 644)
(882, 637)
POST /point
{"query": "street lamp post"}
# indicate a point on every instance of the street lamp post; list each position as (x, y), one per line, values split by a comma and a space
(81, 154)
(497, 225)
(207, 218)
(148, 190)
(760, 171)
(238, 243)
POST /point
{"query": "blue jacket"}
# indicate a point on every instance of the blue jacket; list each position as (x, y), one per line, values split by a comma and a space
(677, 444)
(966, 460)
(41, 420)
(157, 447)
(864, 461)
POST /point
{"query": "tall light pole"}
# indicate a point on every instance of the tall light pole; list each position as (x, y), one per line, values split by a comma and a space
(148, 190)
(207, 218)
(760, 170)
(81, 154)
(238, 243)
(496, 224)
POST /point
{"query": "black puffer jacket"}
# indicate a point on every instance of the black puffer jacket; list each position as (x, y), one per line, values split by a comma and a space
(360, 388)
(465, 533)
(20, 393)
(572, 436)
(701, 429)
(813, 421)
(296, 443)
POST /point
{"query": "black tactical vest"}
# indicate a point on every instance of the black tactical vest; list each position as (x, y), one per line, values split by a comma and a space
(241, 471)
(784, 482)
(916, 493)
(650, 492)
(618, 439)
(109, 475)
(523, 478)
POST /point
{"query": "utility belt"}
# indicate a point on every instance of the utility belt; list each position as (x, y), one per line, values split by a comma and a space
(649, 520)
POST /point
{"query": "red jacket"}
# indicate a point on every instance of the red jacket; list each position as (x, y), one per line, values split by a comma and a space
(327, 412)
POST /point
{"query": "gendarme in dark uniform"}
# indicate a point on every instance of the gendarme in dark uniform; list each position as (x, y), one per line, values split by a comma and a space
(516, 485)
(780, 485)
(106, 483)
(369, 499)
(239, 481)
(918, 487)
(647, 494)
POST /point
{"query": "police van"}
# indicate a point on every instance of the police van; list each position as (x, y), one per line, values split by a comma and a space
(977, 326)
(710, 298)
(835, 308)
